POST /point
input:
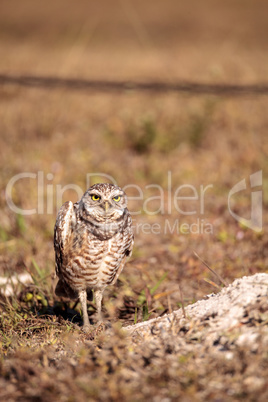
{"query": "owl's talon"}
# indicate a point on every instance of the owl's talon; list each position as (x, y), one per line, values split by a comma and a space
(100, 327)
(86, 328)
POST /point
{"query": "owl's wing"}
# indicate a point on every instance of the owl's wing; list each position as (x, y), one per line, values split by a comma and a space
(128, 241)
(128, 237)
(63, 230)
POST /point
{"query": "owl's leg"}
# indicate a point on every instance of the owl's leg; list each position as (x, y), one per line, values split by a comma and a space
(98, 299)
(83, 301)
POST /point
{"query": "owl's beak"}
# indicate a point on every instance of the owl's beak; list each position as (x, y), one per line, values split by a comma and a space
(107, 206)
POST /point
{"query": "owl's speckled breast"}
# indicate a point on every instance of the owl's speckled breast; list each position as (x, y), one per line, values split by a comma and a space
(93, 263)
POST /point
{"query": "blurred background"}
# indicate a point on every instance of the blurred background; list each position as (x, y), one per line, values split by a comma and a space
(136, 136)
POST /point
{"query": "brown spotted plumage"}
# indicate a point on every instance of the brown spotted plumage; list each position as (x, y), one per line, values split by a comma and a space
(92, 240)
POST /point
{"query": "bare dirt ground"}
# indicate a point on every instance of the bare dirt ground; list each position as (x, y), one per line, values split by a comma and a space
(216, 349)
(155, 142)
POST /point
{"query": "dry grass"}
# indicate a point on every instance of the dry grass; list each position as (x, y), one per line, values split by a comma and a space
(136, 138)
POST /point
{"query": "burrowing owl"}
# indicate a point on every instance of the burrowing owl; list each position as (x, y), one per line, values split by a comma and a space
(92, 239)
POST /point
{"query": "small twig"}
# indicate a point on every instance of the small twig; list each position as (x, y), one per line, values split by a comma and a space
(215, 273)
(169, 304)
(182, 302)
(212, 283)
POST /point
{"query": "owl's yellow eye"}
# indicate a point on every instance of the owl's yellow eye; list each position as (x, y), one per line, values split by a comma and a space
(95, 197)
(117, 198)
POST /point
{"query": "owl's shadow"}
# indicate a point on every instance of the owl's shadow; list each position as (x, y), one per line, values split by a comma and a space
(62, 307)
(64, 312)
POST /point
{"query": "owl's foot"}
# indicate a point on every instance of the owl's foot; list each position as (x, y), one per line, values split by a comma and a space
(100, 327)
(96, 329)
(86, 328)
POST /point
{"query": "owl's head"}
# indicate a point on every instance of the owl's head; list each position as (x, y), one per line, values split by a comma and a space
(103, 203)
